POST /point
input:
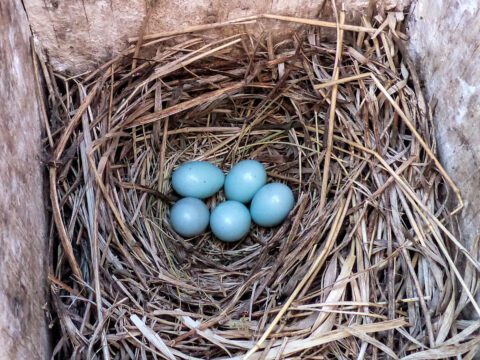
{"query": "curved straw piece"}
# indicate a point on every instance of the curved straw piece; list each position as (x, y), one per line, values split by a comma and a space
(422, 142)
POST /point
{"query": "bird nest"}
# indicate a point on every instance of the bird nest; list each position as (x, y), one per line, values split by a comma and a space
(365, 266)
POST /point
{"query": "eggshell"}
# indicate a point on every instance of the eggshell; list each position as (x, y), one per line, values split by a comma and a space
(244, 180)
(189, 217)
(230, 221)
(199, 179)
(271, 204)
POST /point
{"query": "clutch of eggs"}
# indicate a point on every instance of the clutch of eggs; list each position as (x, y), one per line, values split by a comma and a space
(246, 183)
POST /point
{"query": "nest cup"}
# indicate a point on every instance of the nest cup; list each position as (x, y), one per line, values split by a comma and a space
(363, 264)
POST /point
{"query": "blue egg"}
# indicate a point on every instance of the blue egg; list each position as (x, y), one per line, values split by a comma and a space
(230, 221)
(189, 217)
(198, 179)
(244, 180)
(271, 204)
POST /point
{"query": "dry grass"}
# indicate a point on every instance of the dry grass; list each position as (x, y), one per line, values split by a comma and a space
(367, 265)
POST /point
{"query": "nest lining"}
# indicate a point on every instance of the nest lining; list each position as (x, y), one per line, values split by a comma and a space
(365, 266)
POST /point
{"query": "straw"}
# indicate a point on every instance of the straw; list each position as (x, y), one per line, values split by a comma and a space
(366, 266)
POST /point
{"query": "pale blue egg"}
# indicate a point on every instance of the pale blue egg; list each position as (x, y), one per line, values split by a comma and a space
(271, 204)
(230, 221)
(189, 217)
(244, 180)
(198, 179)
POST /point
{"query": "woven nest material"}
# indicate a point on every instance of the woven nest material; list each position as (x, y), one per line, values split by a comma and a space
(366, 265)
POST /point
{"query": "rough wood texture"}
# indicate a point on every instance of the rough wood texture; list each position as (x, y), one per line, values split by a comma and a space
(78, 35)
(23, 245)
(445, 43)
